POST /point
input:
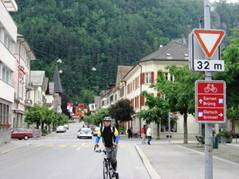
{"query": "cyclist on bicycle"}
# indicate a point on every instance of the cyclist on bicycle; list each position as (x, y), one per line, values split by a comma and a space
(110, 139)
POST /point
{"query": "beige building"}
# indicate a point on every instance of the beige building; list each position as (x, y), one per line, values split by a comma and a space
(143, 76)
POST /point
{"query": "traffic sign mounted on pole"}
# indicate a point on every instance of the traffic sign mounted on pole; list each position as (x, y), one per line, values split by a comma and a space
(210, 101)
(204, 50)
(209, 40)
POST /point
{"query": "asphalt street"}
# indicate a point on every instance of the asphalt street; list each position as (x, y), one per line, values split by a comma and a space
(62, 156)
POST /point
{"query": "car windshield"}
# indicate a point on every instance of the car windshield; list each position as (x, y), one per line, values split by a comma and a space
(85, 130)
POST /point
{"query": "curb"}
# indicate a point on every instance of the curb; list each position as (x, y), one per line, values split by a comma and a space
(151, 171)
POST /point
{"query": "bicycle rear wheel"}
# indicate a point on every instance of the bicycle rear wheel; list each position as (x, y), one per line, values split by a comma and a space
(105, 170)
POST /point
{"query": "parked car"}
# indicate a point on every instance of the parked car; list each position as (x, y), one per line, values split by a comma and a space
(21, 133)
(66, 126)
(60, 129)
(84, 133)
(95, 131)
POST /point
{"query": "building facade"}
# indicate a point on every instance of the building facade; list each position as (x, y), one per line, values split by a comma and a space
(39, 86)
(142, 77)
(21, 81)
(8, 38)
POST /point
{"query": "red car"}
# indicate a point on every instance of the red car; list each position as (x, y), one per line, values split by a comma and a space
(21, 133)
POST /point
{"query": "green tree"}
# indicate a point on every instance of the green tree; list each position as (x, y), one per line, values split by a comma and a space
(121, 111)
(180, 93)
(157, 111)
(97, 117)
(231, 75)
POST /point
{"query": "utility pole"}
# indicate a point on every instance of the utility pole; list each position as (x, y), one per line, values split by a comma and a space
(208, 127)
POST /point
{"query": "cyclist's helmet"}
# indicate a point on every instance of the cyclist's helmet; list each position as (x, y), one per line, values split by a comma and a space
(108, 118)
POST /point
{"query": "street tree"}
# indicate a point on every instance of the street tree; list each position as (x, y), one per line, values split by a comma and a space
(231, 76)
(97, 117)
(121, 111)
(158, 110)
(180, 92)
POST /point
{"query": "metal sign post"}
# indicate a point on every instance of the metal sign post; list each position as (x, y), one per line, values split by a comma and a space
(204, 55)
(208, 127)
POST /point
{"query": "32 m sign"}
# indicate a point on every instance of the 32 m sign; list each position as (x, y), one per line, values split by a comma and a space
(209, 65)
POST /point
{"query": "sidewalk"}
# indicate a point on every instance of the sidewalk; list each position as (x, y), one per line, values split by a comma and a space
(6, 148)
(177, 161)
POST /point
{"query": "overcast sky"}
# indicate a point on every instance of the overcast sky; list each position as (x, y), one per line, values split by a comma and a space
(230, 1)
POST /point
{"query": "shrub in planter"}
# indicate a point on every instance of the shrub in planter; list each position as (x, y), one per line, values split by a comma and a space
(225, 136)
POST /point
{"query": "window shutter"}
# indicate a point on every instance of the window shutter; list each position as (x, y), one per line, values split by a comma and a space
(152, 77)
(142, 100)
(142, 78)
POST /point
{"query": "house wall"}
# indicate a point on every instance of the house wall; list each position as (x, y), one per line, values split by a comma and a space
(8, 35)
(152, 67)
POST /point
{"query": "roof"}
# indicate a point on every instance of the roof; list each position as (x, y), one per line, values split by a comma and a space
(37, 78)
(121, 72)
(174, 50)
(29, 51)
(57, 82)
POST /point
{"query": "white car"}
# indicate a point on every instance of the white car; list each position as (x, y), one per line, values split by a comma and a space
(60, 129)
(84, 133)
(66, 126)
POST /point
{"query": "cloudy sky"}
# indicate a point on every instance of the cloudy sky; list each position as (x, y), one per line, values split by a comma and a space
(230, 1)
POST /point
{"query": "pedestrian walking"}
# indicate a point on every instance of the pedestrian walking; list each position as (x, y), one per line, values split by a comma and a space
(130, 133)
(143, 134)
(149, 135)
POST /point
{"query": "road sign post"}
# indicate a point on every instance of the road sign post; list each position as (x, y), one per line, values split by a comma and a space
(204, 55)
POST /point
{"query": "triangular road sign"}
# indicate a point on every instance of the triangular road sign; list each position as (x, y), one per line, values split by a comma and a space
(209, 40)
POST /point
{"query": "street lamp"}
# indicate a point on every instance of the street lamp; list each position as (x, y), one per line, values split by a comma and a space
(93, 69)
(59, 61)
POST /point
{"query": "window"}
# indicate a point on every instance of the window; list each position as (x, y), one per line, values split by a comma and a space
(4, 113)
(6, 74)
(166, 76)
(148, 77)
(172, 77)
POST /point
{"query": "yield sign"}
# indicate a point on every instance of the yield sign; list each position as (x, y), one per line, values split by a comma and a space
(209, 40)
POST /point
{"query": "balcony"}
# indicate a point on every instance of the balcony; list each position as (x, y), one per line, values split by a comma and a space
(6, 57)
(28, 103)
(7, 22)
(6, 92)
(10, 5)
(29, 87)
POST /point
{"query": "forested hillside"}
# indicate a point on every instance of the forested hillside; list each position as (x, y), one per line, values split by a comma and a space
(105, 33)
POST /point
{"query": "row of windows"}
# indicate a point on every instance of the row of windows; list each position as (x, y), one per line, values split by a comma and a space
(133, 85)
(138, 101)
(5, 74)
(169, 77)
(4, 114)
(5, 39)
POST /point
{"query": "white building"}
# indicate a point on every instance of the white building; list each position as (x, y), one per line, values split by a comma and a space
(8, 36)
(21, 81)
(38, 93)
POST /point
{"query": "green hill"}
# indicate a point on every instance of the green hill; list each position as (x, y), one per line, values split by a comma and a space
(105, 33)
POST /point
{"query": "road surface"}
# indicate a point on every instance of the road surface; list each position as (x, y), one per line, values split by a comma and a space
(62, 156)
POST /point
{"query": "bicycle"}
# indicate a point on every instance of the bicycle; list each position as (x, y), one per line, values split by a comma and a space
(108, 172)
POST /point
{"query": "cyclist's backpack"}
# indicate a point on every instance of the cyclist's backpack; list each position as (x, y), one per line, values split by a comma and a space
(112, 130)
